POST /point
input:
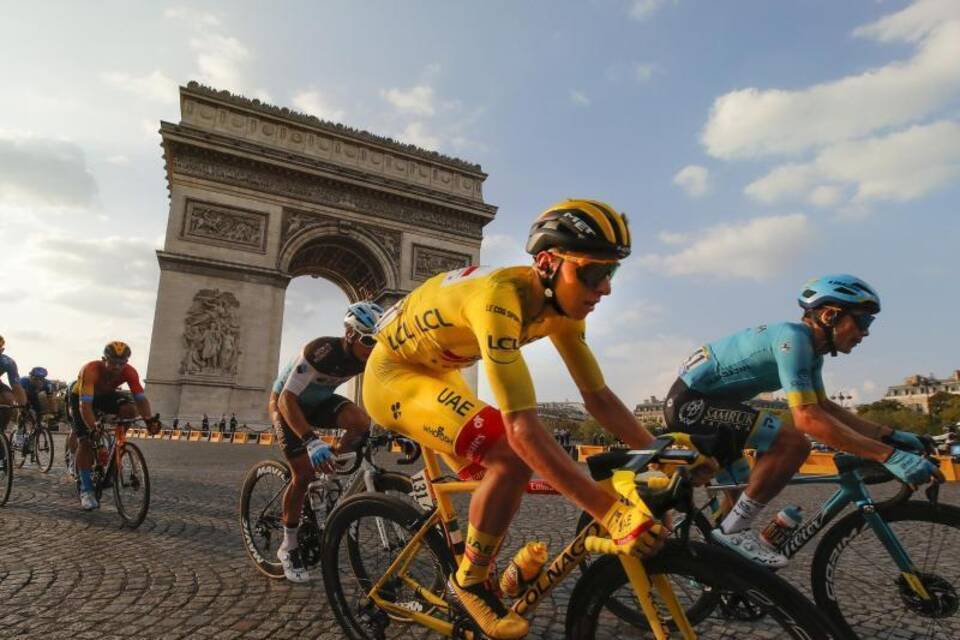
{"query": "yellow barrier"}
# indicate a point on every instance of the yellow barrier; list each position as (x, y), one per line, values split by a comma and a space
(818, 462)
(176, 434)
(216, 436)
(266, 438)
(194, 436)
(584, 451)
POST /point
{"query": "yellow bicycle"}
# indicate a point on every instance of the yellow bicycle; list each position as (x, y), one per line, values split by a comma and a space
(385, 563)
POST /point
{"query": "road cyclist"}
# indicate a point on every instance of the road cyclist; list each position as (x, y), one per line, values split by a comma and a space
(709, 397)
(10, 394)
(303, 398)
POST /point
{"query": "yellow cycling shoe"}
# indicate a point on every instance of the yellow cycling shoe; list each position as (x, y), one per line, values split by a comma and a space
(485, 609)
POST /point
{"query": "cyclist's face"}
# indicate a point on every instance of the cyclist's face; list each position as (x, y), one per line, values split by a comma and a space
(576, 298)
(113, 366)
(360, 350)
(848, 333)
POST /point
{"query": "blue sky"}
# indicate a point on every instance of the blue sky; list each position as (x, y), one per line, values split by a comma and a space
(753, 145)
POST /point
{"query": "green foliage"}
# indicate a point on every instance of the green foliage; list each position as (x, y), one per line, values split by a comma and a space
(945, 410)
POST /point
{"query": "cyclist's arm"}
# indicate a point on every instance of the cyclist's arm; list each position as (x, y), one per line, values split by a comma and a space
(19, 395)
(609, 411)
(813, 420)
(86, 382)
(528, 437)
(132, 378)
(855, 422)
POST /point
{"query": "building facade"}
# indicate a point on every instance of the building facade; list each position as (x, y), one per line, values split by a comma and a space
(916, 390)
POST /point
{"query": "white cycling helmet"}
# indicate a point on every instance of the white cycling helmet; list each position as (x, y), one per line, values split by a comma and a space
(363, 317)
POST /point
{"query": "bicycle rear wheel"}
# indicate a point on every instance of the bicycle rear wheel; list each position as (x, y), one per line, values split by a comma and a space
(261, 514)
(787, 613)
(42, 446)
(858, 584)
(6, 469)
(131, 485)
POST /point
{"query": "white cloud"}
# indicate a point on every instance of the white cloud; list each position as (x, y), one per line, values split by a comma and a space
(672, 237)
(912, 23)
(192, 16)
(118, 159)
(638, 369)
(311, 101)
(44, 172)
(72, 261)
(694, 180)
(153, 86)
(644, 9)
(498, 249)
(579, 98)
(416, 133)
(754, 249)
(418, 100)
(218, 60)
(753, 122)
(644, 71)
(900, 166)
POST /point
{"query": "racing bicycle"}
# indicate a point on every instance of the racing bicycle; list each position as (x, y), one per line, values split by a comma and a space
(32, 440)
(261, 500)
(394, 587)
(6, 464)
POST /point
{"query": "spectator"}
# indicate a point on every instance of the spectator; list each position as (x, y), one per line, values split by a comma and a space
(222, 425)
(233, 423)
(189, 426)
(176, 422)
(205, 423)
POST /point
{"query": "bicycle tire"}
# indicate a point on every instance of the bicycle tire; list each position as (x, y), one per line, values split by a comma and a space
(43, 449)
(828, 570)
(788, 613)
(131, 477)
(6, 469)
(346, 583)
(257, 534)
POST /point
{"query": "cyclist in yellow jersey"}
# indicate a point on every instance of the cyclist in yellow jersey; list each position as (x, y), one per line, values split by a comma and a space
(413, 385)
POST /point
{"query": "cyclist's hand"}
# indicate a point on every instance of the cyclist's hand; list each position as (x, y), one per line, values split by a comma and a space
(633, 530)
(905, 440)
(153, 426)
(321, 457)
(911, 468)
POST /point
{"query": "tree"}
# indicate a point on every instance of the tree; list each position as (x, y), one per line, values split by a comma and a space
(944, 409)
(893, 414)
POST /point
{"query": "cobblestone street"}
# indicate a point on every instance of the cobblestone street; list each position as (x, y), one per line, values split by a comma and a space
(65, 573)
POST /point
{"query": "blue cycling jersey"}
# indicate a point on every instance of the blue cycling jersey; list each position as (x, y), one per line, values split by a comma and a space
(764, 358)
(9, 366)
(45, 387)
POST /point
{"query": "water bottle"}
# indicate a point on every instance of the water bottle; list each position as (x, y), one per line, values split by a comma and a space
(782, 526)
(524, 568)
(316, 491)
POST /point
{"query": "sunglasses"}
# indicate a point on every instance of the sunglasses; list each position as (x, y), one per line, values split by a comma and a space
(591, 271)
(367, 341)
(863, 320)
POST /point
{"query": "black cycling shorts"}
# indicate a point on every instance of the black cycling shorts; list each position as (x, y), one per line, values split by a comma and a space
(321, 415)
(108, 403)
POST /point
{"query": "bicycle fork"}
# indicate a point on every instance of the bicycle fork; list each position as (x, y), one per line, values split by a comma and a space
(892, 544)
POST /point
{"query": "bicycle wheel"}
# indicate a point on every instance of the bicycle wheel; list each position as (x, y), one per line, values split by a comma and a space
(131, 485)
(788, 613)
(6, 469)
(380, 525)
(42, 449)
(858, 584)
(261, 514)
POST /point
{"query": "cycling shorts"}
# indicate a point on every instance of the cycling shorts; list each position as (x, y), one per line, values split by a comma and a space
(321, 415)
(103, 403)
(737, 425)
(437, 409)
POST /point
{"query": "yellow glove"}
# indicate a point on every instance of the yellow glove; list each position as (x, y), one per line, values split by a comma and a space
(633, 530)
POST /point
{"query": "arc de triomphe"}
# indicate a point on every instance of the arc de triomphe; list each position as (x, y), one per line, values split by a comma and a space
(260, 195)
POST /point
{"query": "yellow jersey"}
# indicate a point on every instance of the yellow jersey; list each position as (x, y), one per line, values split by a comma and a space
(479, 313)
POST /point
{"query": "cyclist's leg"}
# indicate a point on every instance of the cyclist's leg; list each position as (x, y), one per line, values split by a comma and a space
(354, 422)
(83, 456)
(6, 397)
(781, 451)
(439, 410)
(301, 474)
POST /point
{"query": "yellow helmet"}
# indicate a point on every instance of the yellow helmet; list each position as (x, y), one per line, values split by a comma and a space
(116, 350)
(581, 226)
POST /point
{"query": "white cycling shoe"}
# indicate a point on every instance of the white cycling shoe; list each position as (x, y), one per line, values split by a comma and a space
(749, 545)
(294, 566)
(88, 501)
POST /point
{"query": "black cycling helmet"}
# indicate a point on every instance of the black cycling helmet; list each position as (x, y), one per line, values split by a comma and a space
(117, 350)
(590, 227)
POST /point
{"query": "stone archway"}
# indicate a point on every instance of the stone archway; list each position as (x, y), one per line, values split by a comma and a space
(259, 195)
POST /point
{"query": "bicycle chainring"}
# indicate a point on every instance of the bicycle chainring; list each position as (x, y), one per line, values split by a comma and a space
(943, 601)
(308, 538)
(734, 606)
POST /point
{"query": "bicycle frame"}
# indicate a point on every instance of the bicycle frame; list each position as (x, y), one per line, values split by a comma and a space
(852, 490)
(433, 492)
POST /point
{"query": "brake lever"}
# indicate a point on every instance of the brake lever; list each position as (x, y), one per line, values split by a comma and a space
(933, 493)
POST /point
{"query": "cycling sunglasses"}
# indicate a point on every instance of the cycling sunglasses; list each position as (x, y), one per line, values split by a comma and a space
(591, 271)
(863, 320)
(367, 340)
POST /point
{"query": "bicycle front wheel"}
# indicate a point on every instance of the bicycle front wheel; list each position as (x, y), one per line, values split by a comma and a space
(857, 582)
(42, 446)
(6, 469)
(691, 569)
(261, 514)
(131, 485)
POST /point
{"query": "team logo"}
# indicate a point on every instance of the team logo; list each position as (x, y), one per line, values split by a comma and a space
(691, 411)
(395, 408)
(478, 421)
(321, 352)
(785, 347)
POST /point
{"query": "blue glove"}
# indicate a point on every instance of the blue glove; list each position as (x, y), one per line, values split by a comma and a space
(905, 439)
(318, 451)
(910, 467)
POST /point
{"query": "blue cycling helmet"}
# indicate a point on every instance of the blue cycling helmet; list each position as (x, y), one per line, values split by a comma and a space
(38, 372)
(840, 289)
(363, 317)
